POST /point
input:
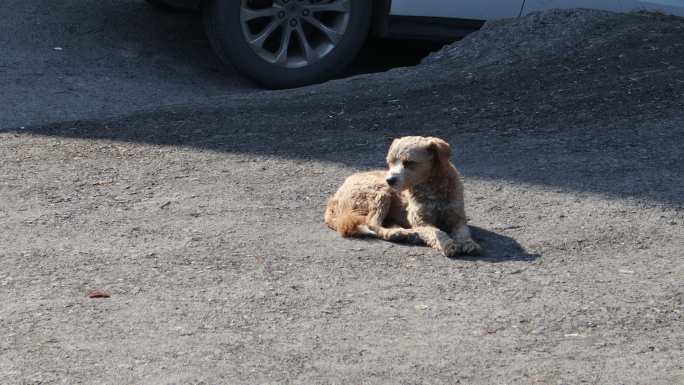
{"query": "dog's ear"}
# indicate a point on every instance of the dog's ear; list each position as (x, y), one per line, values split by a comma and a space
(392, 149)
(442, 150)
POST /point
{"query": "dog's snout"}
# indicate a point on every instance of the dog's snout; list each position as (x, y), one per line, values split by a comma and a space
(392, 180)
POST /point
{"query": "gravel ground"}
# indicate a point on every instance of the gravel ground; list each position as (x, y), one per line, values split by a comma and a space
(84, 59)
(204, 224)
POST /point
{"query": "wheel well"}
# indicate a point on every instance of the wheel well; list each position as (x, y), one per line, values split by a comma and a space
(380, 22)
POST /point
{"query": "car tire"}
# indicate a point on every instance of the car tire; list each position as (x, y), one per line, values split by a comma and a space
(174, 5)
(251, 34)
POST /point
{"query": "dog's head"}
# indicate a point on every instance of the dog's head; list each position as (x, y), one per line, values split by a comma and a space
(412, 160)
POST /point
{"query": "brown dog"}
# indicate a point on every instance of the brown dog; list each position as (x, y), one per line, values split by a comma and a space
(420, 199)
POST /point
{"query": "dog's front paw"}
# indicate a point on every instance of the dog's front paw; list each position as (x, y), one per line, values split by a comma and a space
(451, 250)
(470, 247)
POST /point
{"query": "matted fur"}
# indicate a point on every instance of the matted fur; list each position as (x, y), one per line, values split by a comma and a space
(424, 205)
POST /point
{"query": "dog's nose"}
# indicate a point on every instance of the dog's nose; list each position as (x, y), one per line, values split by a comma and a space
(392, 180)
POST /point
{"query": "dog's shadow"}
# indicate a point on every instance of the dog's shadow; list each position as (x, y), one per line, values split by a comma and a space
(498, 248)
(495, 247)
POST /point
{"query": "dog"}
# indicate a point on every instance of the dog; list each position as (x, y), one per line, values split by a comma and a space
(418, 200)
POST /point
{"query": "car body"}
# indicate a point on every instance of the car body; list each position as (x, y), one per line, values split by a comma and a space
(290, 43)
(451, 19)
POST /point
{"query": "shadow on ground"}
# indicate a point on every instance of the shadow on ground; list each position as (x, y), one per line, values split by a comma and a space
(636, 157)
(499, 248)
(180, 39)
(79, 59)
(558, 120)
(496, 247)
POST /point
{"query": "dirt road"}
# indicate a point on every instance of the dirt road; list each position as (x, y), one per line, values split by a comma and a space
(205, 226)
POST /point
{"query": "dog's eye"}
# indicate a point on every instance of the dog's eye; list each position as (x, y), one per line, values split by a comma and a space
(408, 163)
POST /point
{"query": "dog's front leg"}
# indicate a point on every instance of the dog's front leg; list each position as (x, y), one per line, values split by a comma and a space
(376, 217)
(391, 234)
(427, 235)
(399, 235)
(464, 241)
(438, 240)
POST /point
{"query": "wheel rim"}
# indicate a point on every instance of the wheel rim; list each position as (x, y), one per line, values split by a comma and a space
(294, 33)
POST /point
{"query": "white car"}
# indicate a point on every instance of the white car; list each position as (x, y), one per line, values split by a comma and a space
(290, 43)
